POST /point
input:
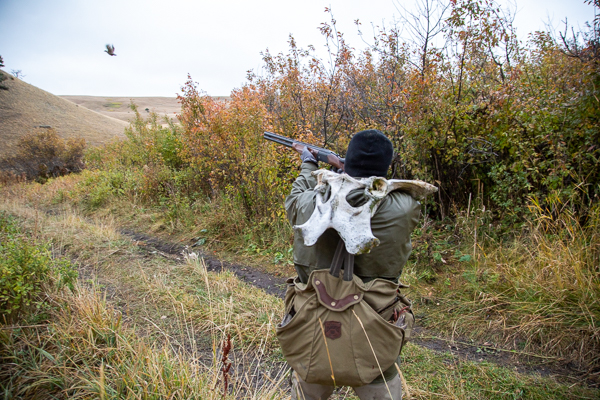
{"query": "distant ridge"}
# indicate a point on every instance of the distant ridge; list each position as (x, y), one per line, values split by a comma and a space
(24, 107)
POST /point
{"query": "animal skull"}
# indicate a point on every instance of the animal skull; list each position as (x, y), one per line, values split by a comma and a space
(352, 223)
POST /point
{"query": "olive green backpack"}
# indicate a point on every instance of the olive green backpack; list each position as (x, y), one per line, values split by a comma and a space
(340, 331)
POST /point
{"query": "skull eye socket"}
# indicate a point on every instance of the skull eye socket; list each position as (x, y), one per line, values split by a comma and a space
(356, 198)
(324, 190)
(378, 188)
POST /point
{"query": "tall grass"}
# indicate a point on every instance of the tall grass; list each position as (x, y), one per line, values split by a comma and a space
(76, 344)
(85, 350)
(539, 290)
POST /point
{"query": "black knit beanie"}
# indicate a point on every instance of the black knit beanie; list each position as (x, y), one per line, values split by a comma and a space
(369, 153)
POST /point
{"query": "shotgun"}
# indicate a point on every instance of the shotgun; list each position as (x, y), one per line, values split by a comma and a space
(321, 154)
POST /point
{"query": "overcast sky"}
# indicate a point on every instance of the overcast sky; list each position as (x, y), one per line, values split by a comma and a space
(59, 44)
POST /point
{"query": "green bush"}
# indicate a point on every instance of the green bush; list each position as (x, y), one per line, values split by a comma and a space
(149, 143)
(25, 268)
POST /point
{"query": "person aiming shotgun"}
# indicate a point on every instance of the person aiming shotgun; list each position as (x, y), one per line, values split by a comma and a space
(369, 155)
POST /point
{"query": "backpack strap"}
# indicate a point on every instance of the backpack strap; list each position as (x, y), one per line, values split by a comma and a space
(348, 266)
(340, 257)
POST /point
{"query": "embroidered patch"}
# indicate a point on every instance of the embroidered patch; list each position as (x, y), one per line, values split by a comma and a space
(333, 329)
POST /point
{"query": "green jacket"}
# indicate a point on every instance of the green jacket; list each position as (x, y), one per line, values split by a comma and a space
(393, 222)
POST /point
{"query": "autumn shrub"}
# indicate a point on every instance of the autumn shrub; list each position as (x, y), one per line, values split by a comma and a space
(42, 154)
(8, 177)
(481, 113)
(233, 164)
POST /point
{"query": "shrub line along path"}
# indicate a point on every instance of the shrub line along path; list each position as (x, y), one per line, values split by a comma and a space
(460, 348)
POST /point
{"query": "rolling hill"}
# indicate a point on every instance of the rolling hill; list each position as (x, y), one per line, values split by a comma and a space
(24, 107)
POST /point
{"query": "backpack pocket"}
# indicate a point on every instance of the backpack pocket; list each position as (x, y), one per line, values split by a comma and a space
(378, 342)
(296, 332)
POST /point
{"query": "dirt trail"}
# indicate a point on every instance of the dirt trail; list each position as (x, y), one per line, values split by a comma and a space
(273, 285)
(462, 349)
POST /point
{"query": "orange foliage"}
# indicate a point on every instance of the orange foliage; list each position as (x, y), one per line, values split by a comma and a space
(223, 143)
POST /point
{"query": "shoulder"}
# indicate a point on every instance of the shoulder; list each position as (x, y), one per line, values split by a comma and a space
(308, 167)
(398, 204)
(402, 199)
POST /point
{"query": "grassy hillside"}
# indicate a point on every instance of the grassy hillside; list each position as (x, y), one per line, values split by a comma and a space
(24, 107)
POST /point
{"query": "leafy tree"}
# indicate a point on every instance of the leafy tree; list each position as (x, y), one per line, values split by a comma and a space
(2, 76)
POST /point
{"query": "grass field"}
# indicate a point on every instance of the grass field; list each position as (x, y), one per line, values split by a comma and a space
(143, 324)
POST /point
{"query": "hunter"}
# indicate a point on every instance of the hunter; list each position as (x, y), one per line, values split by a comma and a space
(369, 154)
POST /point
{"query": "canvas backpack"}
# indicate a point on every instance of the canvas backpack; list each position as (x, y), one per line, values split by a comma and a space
(338, 330)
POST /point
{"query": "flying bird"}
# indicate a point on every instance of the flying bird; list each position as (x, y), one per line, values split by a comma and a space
(110, 49)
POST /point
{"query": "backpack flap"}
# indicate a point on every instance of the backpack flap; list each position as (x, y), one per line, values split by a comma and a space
(334, 293)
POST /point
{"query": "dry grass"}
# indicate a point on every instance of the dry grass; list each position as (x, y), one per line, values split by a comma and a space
(102, 252)
(539, 292)
(91, 345)
(86, 349)
(144, 325)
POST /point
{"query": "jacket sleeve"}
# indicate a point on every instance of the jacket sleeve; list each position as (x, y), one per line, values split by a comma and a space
(300, 204)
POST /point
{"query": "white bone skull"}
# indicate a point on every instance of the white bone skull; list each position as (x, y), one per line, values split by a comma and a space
(353, 223)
